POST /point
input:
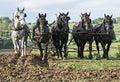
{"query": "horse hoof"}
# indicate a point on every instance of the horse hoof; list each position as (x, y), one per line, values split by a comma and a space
(53, 54)
(80, 56)
(40, 58)
(45, 60)
(16, 52)
(65, 58)
(90, 56)
(107, 58)
(103, 57)
(22, 55)
(60, 58)
(56, 57)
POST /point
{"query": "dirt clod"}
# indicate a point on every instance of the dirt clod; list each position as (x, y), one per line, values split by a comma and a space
(14, 68)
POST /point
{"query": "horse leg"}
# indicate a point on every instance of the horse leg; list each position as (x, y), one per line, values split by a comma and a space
(60, 49)
(78, 45)
(82, 49)
(108, 47)
(14, 43)
(65, 51)
(22, 47)
(97, 46)
(25, 47)
(17, 47)
(46, 48)
(78, 51)
(90, 50)
(41, 51)
(104, 50)
(57, 49)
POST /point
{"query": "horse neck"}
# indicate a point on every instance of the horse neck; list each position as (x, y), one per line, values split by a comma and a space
(16, 23)
(102, 27)
(59, 25)
(43, 26)
(81, 25)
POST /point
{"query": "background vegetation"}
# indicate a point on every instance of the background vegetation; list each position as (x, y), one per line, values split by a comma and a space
(6, 21)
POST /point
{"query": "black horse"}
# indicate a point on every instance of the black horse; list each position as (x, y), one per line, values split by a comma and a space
(83, 32)
(41, 35)
(104, 34)
(60, 30)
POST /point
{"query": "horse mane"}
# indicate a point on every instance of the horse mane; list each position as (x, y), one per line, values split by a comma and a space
(56, 25)
(38, 23)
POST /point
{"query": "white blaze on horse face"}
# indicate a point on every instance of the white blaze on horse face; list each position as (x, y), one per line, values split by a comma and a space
(107, 27)
(86, 26)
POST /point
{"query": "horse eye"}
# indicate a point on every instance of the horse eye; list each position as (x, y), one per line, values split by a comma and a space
(25, 15)
(17, 16)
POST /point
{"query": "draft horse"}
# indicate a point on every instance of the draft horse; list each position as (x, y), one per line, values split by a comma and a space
(60, 30)
(82, 33)
(41, 35)
(20, 31)
(104, 34)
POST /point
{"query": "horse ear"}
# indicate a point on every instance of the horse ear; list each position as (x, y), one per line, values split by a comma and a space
(90, 20)
(67, 13)
(81, 14)
(39, 15)
(111, 16)
(89, 13)
(104, 15)
(68, 18)
(23, 9)
(59, 13)
(45, 15)
(25, 15)
(17, 9)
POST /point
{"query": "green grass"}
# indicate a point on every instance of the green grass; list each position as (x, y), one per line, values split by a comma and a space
(97, 63)
(35, 51)
(17, 66)
(32, 67)
(89, 64)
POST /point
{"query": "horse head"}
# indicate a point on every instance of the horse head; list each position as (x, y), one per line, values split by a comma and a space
(42, 22)
(108, 23)
(86, 21)
(62, 20)
(64, 17)
(19, 18)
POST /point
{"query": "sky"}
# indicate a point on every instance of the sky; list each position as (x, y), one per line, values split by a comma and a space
(97, 8)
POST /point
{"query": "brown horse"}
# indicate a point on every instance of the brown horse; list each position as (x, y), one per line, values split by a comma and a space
(60, 31)
(82, 33)
(42, 35)
(104, 34)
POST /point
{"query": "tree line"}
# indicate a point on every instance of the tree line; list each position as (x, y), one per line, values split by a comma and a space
(6, 21)
(6, 42)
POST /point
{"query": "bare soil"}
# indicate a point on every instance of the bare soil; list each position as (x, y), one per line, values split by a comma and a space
(14, 68)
